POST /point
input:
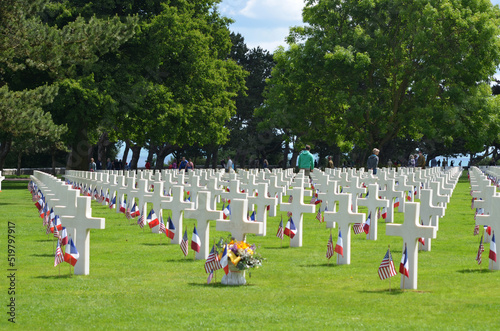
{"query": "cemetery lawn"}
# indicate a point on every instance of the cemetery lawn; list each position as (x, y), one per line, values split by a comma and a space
(138, 281)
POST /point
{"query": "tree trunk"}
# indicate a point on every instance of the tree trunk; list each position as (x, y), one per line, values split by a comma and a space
(53, 156)
(19, 159)
(215, 157)
(125, 151)
(162, 154)
(102, 148)
(136, 151)
(79, 155)
(4, 150)
(286, 151)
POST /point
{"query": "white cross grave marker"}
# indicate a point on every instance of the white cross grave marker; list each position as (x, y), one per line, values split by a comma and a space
(297, 207)
(203, 214)
(372, 202)
(344, 217)
(492, 220)
(410, 231)
(238, 225)
(429, 214)
(262, 201)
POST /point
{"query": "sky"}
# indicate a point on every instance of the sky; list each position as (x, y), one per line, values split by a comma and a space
(263, 23)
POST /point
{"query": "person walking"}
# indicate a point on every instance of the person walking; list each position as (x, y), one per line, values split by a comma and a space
(92, 165)
(229, 164)
(372, 162)
(306, 161)
(421, 160)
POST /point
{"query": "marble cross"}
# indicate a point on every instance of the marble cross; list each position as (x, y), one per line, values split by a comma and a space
(344, 217)
(410, 231)
(437, 197)
(262, 201)
(203, 213)
(355, 189)
(78, 220)
(297, 207)
(391, 194)
(492, 220)
(429, 215)
(275, 190)
(176, 205)
(238, 225)
(372, 202)
(234, 191)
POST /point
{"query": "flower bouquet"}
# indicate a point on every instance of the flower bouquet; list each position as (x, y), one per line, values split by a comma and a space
(242, 255)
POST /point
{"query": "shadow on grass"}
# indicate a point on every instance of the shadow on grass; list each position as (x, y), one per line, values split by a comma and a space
(284, 247)
(471, 271)
(331, 265)
(218, 284)
(153, 244)
(43, 255)
(393, 291)
(43, 240)
(63, 275)
(187, 260)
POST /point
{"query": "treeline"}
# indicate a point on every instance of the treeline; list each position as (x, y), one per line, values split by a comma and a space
(78, 77)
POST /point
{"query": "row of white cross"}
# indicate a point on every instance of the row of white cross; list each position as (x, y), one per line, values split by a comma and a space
(488, 200)
(75, 212)
(205, 189)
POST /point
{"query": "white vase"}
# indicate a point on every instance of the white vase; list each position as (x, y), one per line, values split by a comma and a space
(234, 276)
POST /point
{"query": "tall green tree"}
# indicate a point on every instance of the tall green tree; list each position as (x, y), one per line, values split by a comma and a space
(382, 69)
(36, 56)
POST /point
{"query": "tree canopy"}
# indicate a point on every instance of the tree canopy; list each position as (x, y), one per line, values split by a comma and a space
(364, 74)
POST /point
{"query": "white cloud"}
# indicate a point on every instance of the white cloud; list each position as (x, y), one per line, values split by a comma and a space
(268, 39)
(282, 10)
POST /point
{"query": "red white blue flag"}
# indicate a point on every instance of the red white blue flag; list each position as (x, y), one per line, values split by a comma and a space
(71, 255)
(339, 248)
(195, 241)
(290, 229)
(403, 266)
(493, 249)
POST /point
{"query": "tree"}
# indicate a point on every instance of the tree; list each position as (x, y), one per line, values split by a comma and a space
(369, 72)
(51, 54)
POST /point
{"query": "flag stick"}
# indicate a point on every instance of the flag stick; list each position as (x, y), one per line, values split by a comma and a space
(389, 247)
(59, 269)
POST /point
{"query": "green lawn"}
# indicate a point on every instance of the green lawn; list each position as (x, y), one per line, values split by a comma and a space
(138, 281)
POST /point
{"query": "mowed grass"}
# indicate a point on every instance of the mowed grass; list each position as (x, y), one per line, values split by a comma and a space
(139, 281)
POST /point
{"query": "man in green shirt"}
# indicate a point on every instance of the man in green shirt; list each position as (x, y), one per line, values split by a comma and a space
(306, 161)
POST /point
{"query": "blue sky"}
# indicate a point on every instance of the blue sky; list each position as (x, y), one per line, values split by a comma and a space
(266, 23)
(263, 23)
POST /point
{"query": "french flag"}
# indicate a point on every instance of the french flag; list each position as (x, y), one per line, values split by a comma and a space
(339, 248)
(403, 266)
(493, 249)
(57, 224)
(123, 205)
(152, 219)
(396, 203)
(64, 237)
(366, 226)
(134, 212)
(226, 211)
(112, 203)
(195, 241)
(290, 229)
(170, 228)
(224, 261)
(384, 213)
(252, 217)
(71, 255)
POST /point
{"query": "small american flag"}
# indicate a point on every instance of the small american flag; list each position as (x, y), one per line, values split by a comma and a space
(318, 214)
(480, 251)
(358, 228)
(329, 248)
(386, 269)
(279, 234)
(141, 221)
(56, 232)
(184, 243)
(59, 255)
(212, 262)
(313, 200)
(163, 229)
(476, 230)
(48, 227)
(290, 199)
